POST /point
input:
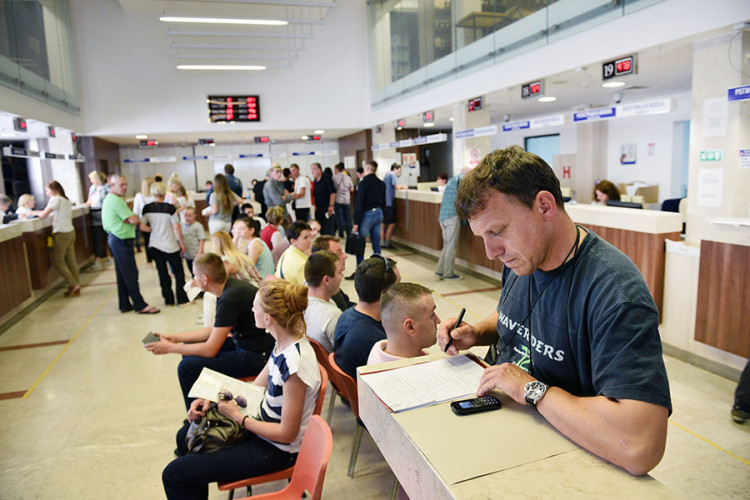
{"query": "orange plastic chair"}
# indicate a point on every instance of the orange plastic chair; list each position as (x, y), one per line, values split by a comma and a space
(350, 388)
(289, 471)
(322, 355)
(312, 462)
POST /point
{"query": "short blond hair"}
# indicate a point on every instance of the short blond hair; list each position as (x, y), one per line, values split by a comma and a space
(158, 189)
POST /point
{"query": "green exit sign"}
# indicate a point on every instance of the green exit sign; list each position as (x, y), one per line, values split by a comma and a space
(711, 155)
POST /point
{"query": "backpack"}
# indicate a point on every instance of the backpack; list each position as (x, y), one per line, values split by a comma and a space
(213, 432)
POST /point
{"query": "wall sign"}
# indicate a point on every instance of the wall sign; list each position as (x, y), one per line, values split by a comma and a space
(618, 67)
(711, 155)
(739, 93)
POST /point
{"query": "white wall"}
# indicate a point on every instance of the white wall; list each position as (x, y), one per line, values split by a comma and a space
(130, 81)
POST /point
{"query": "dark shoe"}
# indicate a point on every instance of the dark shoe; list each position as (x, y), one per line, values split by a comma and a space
(350, 277)
(453, 277)
(739, 415)
(126, 310)
(439, 276)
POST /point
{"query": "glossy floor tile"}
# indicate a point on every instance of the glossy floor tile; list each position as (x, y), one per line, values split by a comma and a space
(100, 413)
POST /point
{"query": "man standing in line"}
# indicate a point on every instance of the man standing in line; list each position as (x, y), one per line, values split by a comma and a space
(344, 189)
(119, 222)
(234, 183)
(368, 209)
(302, 195)
(325, 199)
(273, 192)
(389, 216)
(576, 330)
(450, 225)
(258, 195)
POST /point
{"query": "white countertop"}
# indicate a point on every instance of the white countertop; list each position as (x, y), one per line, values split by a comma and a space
(30, 225)
(9, 231)
(420, 195)
(643, 221)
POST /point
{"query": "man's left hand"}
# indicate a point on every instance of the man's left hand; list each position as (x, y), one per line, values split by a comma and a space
(161, 347)
(507, 377)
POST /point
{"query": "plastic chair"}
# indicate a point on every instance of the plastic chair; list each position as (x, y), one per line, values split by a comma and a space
(350, 387)
(289, 471)
(312, 462)
(322, 355)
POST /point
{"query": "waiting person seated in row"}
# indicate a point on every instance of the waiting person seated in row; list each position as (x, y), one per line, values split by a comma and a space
(605, 191)
(273, 233)
(243, 354)
(292, 381)
(323, 275)
(333, 245)
(291, 265)
(410, 323)
(246, 233)
(249, 211)
(360, 327)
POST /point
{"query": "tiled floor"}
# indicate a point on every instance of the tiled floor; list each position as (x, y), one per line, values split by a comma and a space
(99, 413)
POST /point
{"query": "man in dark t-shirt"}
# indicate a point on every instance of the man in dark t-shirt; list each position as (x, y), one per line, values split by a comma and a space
(243, 354)
(575, 333)
(324, 193)
(359, 327)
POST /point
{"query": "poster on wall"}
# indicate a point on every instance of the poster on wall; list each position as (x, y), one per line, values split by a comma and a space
(710, 184)
(715, 117)
(627, 153)
(744, 158)
(475, 157)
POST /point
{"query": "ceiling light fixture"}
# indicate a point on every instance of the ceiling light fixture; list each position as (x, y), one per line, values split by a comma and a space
(304, 137)
(219, 67)
(451, 119)
(141, 136)
(222, 20)
(320, 131)
(548, 98)
(613, 85)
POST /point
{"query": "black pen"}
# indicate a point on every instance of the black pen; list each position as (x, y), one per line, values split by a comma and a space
(458, 323)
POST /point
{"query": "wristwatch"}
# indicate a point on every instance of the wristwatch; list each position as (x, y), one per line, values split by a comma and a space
(534, 391)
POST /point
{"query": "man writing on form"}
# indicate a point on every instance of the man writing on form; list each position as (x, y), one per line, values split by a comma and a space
(576, 329)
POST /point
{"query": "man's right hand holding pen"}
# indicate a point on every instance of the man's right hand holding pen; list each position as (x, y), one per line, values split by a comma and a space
(465, 335)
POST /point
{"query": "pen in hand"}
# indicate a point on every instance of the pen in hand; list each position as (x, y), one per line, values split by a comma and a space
(456, 325)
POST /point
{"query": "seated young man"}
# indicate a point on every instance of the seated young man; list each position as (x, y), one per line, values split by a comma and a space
(244, 354)
(248, 210)
(333, 244)
(359, 327)
(323, 275)
(408, 315)
(291, 266)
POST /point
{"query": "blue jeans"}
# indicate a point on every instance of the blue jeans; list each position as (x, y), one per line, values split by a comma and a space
(127, 274)
(188, 476)
(230, 360)
(343, 219)
(370, 226)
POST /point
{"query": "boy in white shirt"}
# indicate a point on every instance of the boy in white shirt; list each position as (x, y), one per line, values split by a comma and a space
(410, 322)
(323, 274)
(194, 236)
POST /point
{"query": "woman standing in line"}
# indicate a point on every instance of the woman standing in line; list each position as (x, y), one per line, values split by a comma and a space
(220, 205)
(141, 200)
(63, 236)
(97, 192)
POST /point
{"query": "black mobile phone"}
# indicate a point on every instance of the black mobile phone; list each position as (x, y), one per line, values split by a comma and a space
(476, 405)
(151, 337)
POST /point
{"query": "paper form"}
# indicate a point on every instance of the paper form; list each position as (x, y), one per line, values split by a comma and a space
(427, 383)
(211, 382)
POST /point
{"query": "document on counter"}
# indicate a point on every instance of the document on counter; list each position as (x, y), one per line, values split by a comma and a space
(210, 383)
(428, 383)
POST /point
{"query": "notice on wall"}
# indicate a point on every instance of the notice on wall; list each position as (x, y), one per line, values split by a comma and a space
(744, 158)
(628, 153)
(710, 183)
(715, 117)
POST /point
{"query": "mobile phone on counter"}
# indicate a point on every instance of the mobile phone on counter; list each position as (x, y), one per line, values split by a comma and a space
(476, 405)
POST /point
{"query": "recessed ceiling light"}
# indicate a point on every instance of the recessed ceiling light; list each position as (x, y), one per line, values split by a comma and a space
(220, 20)
(429, 124)
(141, 136)
(548, 98)
(613, 85)
(220, 67)
(451, 119)
(9, 134)
(320, 131)
(304, 137)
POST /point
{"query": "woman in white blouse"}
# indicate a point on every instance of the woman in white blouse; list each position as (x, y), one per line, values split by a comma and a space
(63, 236)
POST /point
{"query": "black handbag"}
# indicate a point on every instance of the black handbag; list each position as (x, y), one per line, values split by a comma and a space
(355, 244)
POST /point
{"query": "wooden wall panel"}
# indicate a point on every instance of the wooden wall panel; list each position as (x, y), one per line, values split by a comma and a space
(14, 274)
(40, 261)
(723, 311)
(646, 250)
(84, 241)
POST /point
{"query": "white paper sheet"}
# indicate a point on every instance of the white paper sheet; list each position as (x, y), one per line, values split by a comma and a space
(427, 383)
(211, 382)
(191, 290)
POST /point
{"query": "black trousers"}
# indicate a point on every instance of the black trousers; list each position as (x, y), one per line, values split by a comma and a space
(742, 394)
(327, 224)
(175, 262)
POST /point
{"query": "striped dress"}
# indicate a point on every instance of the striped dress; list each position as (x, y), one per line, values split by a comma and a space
(299, 358)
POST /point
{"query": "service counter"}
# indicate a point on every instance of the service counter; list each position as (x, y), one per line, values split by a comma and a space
(640, 234)
(14, 269)
(34, 236)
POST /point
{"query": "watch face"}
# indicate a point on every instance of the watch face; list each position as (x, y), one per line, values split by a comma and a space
(534, 391)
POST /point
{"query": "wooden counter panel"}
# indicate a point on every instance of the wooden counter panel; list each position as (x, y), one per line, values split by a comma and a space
(84, 242)
(14, 274)
(471, 248)
(199, 206)
(646, 250)
(723, 311)
(40, 261)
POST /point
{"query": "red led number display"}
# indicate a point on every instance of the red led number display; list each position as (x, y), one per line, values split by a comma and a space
(233, 109)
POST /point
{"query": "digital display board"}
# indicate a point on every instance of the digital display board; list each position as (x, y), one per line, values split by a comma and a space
(147, 143)
(618, 67)
(532, 89)
(476, 104)
(428, 116)
(223, 108)
(262, 139)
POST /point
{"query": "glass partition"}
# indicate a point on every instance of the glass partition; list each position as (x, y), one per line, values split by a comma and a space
(37, 56)
(416, 43)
